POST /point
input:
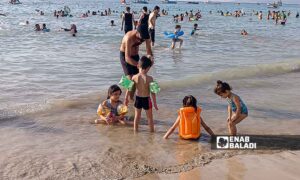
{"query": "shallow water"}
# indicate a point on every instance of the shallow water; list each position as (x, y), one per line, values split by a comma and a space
(52, 83)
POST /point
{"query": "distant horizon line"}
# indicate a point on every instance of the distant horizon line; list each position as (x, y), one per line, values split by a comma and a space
(203, 1)
(232, 1)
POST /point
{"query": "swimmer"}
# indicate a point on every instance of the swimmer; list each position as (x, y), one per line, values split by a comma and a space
(73, 29)
(237, 110)
(189, 101)
(176, 39)
(37, 27)
(244, 32)
(112, 23)
(44, 27)
(195, 29)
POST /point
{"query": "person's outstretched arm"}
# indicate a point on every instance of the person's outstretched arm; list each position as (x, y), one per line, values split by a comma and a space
(171, 130)
(207, 129)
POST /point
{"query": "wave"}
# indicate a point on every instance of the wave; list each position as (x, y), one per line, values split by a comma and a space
(93, 98)
(235, 73)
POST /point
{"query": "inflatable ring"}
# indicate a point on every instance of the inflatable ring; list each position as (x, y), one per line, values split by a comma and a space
(172, 35)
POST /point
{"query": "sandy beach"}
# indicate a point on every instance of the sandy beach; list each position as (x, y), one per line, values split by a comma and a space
(282, 165)
(51, 84)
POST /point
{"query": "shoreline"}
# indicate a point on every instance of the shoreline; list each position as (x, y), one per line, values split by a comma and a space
(278, 165)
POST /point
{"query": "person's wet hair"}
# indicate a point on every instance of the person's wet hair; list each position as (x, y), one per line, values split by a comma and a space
(177, 26)
(156, 8)
(145, 8)
(222, 87)
(112, 89)
(145, 62)
(190, 101)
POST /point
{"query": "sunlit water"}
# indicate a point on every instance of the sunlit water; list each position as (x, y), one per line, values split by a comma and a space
(51, 84)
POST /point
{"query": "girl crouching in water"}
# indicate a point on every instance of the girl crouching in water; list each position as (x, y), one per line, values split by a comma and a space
(112, 110)
(189, 120)
(237, 110)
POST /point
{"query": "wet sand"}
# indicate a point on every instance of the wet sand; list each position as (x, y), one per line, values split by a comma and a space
(283, 165)
(60, 143)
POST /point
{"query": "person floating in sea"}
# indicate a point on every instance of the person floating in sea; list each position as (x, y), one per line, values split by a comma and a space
(37, 27)
(244, 32)
(112, 23)
(73, 29)
(195, 29)
(237, 110)
(189, 120)
(45, 29)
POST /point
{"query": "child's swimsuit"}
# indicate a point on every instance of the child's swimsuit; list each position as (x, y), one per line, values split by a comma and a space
(143, 102)
(108, 108)
(244, 109)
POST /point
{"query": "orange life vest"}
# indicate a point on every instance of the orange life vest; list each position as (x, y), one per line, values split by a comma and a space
(190, 122)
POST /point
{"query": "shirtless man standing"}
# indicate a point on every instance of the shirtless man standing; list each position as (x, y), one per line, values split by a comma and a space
(152, 19)
(129, 54)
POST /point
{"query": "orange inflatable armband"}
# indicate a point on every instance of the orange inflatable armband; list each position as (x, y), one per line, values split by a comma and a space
(190, 122)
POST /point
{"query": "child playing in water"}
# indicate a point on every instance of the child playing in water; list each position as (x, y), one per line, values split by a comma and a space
(112, 110)
(142, 100)
(237, 110)
(195, 29)
(176, 39)
(189, 105)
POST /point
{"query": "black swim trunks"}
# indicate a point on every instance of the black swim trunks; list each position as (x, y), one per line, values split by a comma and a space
(152, 34)
(143, 102)
(127, 28)
(128, 68)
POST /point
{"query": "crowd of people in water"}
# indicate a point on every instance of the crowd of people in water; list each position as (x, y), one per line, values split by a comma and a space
(141, 88)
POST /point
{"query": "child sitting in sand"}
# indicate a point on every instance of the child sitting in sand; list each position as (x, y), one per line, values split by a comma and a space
(112, 110)
(237, 110)
(189, 120)
(176, 38)
(142, 100)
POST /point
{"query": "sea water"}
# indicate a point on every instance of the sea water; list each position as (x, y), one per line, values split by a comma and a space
(51, 84)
